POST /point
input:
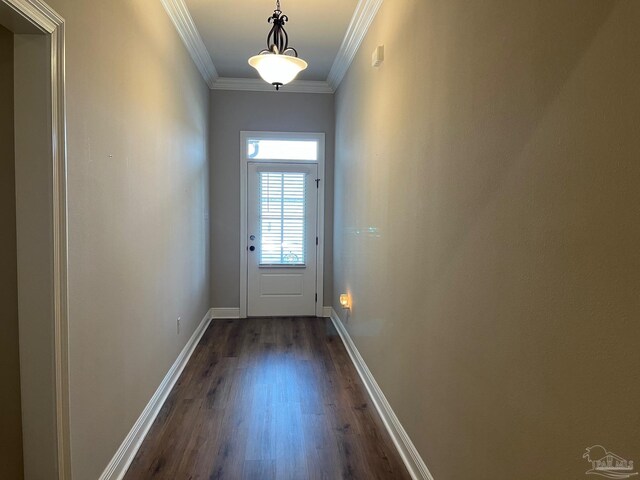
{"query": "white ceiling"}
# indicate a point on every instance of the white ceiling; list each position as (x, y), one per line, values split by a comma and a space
(234, 30)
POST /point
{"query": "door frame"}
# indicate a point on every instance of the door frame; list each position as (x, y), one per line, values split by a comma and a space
(49, 22)
(244, 161)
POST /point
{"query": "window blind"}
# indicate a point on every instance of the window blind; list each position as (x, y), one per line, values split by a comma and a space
(282, 218)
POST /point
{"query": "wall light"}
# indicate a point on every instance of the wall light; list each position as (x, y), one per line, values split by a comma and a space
(344, 301)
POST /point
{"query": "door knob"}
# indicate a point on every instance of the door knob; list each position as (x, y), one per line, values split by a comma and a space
(252, 237)
(252, 248)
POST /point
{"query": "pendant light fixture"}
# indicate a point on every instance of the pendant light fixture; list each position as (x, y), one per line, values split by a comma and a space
(278, 64)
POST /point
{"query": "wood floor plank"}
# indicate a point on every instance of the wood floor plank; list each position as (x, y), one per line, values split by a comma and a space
(268, 398)
(291, 452)
(259, 470)
(322, 448)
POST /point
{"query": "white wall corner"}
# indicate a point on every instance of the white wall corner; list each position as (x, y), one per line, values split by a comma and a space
(117, 467)
(410, 456)
(181, 18)
(220, 313)
(363, 16)
(326, 311)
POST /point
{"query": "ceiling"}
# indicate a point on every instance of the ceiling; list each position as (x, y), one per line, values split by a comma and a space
(234, 30)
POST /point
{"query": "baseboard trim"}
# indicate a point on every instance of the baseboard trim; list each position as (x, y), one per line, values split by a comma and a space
(126, 453)
(218, 313)
(221, 313)
(412, 460)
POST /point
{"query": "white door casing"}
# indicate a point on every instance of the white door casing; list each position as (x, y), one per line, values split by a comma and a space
(317, 159)
(28, 14)
(282, 227)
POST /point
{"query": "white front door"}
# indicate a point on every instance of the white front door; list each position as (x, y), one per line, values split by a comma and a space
(282, 212)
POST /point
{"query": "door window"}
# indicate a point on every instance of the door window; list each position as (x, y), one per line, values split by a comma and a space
(282, 218)
(265, 149)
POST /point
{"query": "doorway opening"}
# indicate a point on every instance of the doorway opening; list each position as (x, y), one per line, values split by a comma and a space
(281, 224)
(34, 241)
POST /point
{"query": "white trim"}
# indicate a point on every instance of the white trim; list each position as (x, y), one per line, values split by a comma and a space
(218, 313)
(49, 22)
(363, 16)
(243, 225)
(121, 461)
(320, 137)
(222, 313)
(181, 18)
(320, 229)
(37, 13)
(259, 85)
(412, 460)
(60, 246)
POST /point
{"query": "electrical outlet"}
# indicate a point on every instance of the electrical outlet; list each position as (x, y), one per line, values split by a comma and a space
(178, 324)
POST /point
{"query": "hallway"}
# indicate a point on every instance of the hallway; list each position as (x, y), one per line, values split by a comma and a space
(267, 398)
(187, 194)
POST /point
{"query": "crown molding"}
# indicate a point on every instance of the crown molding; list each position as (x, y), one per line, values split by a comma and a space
(259, 85)
(181, 18)
(363, 16)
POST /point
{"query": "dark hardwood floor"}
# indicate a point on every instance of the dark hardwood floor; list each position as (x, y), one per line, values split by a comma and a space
(272, 398)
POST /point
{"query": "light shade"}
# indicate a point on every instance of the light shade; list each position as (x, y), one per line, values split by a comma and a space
(276, 68)
(344, 300)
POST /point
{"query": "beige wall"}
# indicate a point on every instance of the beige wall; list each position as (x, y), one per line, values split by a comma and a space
(138, 208)
(231, 113)
(10, 416)
(495, 153)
